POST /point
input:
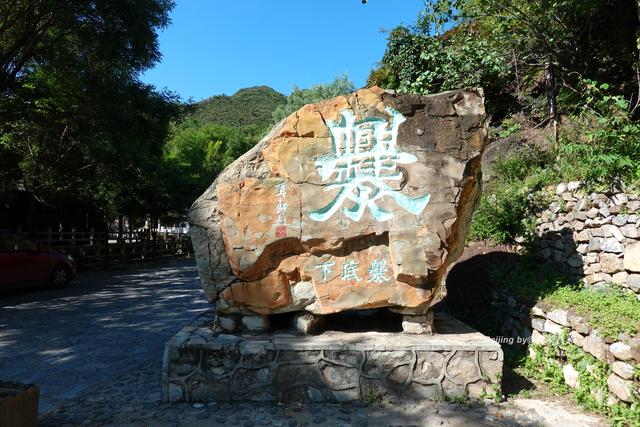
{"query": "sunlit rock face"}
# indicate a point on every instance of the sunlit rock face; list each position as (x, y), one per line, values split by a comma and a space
(356, 202)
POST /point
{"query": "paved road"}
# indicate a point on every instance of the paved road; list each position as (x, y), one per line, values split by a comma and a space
(103, 325)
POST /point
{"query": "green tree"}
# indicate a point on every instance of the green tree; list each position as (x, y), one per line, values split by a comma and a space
(118, 36)
(504, 45)
(75, 121)
(196, 153)
(419, 63)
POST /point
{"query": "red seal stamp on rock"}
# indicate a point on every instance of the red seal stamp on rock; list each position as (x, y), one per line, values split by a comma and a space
(281, 231)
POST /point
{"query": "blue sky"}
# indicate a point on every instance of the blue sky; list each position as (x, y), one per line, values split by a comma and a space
(219, 46)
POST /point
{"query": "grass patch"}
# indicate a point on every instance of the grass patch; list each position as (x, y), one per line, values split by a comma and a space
(611, 310)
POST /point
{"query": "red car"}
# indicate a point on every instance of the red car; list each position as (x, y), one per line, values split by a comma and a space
(26, 262)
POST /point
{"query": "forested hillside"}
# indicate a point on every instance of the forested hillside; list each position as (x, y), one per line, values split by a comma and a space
(249, 106)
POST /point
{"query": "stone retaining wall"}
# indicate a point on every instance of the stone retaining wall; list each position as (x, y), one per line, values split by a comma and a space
(593, 236)
(457, 362)
(536, 325)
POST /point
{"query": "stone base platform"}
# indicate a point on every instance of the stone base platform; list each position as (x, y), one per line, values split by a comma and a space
(200, 365)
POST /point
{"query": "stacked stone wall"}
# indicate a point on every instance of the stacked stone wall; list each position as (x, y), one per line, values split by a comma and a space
(537, 324)
(593, 236)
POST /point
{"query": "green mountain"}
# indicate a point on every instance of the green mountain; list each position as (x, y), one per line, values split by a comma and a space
(249, 106)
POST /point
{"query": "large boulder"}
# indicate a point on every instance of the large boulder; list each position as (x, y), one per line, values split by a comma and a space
(357, 202)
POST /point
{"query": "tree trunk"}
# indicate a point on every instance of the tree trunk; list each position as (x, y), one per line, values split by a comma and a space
(517, 74)
(551, 99)
(153, 228)
(120, 227)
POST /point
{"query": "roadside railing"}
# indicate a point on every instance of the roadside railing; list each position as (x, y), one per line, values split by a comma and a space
(93, 249)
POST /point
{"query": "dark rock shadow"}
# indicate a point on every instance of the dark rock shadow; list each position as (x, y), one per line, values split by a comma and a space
(558, 254)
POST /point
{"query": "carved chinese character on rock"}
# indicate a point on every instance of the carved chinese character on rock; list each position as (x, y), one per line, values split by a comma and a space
(357, 202)
(364, 160)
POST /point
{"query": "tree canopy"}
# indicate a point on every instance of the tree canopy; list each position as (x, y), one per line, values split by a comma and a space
(534, 59)
(75, 120)
(247, 107)
(503, 46)
(99, 36)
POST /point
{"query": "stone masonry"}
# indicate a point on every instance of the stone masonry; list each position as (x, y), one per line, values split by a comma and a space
(334, 366)
(535, 325)
(594, 236)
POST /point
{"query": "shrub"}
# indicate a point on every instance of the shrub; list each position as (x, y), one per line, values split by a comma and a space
(502, 216)
(508, 127)
(604, 148)
(507, 208)
(417, 62)
(529, 164)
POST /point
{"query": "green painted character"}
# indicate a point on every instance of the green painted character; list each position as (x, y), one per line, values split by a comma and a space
(364, 159)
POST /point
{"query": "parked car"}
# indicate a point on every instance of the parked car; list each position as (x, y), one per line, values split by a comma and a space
(25, 262)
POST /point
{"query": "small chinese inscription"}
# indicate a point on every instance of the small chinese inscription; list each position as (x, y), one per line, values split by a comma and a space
(325, 267)
(281, 210)
(377, 272)
(350, 271)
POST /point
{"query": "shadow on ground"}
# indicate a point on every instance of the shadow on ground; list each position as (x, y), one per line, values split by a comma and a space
(102, 325)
